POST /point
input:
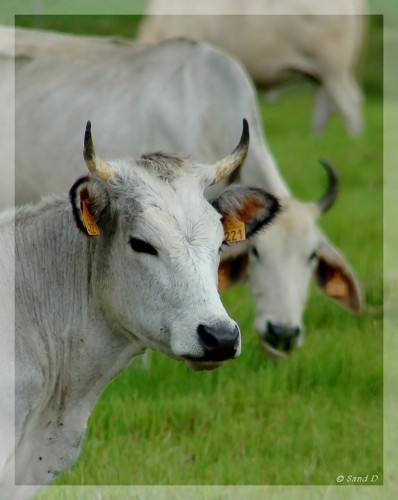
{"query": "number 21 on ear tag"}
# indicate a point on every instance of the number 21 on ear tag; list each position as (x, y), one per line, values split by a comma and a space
(234, 230)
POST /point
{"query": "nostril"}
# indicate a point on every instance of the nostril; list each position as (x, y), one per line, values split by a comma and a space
(208, 339)
(270, 328)
(271, 336)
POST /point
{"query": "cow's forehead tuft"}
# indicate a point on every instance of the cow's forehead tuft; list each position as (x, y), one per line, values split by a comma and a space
(164, 165)
(154, 167)
(158, 165)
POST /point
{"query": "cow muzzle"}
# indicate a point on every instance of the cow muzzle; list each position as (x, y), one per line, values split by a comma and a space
(279, 340)
(220, 343)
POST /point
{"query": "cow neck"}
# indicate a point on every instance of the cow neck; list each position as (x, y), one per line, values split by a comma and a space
(78, 352)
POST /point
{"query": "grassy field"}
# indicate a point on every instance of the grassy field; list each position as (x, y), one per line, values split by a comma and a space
(253, 422)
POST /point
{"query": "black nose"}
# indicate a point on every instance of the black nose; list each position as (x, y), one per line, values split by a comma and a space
(281, 336)
(219, 342)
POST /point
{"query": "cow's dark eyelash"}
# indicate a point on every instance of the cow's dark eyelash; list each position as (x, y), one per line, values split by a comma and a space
(223, 244)
(254, 252)
(312, 256)
(141, 246)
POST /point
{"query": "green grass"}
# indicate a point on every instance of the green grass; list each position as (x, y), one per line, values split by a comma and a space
(303, 422)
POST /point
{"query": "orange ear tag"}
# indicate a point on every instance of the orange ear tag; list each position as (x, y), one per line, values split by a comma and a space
(336, 286)
(89, 222)
(234, 230)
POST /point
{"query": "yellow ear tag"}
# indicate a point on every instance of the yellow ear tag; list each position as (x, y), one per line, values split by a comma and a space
(89, 222)
(234, 230)
(336, 286)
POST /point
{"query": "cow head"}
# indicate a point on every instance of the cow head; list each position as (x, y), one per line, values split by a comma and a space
(156, 243)
(280, 264)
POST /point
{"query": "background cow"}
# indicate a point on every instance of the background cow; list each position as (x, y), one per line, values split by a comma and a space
(176, 82)
(139, 271)
(278, 42)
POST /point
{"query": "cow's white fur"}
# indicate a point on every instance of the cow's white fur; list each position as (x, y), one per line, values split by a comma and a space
(276, 41)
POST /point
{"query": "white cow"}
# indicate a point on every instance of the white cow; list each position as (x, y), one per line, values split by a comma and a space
(179, 96)
(139, 271)
(277, 42)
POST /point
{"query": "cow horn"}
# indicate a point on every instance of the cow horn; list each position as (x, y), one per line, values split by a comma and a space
(100, 168)
(332, 191)
(233, 161)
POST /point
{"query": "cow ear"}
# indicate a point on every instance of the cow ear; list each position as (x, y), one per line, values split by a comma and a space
(245, 210)
(90, 202)
(232, 270)
(335, 278)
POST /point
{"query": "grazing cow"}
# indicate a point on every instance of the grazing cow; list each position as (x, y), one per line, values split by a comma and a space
(207, 92)
(292, 38)
(139, 271)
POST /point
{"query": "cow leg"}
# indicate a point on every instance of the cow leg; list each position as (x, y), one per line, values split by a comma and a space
(347, 98)
(272, 96)
(323, 110)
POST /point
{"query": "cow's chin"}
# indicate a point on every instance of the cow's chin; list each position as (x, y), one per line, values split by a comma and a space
(199, 366)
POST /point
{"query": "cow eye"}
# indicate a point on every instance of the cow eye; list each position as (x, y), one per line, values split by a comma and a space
(312, 256)
(254, 252)
(141, 246)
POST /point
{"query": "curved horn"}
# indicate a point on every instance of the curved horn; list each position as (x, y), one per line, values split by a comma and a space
(233, 161)
(99, 168)
(330, 196)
